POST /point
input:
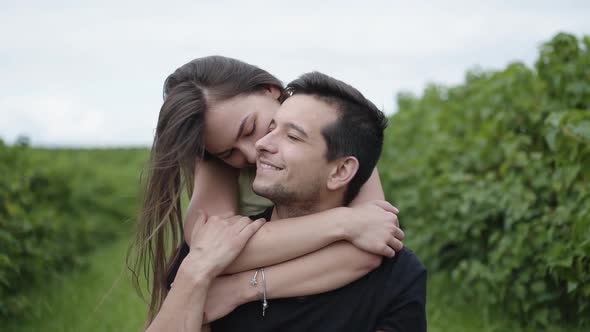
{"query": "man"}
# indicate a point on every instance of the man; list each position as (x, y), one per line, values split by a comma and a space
(322, 145)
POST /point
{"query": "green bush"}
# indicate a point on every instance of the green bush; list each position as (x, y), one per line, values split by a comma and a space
(55, 206)
(493, 181)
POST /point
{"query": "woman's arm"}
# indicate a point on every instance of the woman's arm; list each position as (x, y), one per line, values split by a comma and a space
(366, 226)
(312, 278)
(320, 271)
(370, 191)
(324, 270)
(217, 243)
(189, 291)
(215, 190)
(369, 226)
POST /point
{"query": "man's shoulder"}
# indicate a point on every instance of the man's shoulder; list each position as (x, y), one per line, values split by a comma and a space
(403, 300)
(400, 277)
(405, 264)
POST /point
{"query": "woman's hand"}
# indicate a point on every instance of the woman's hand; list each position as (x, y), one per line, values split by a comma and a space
(216, 241)
(374, 227)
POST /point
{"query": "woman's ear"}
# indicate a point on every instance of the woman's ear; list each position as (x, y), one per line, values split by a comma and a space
(342, 173)
(274, 91)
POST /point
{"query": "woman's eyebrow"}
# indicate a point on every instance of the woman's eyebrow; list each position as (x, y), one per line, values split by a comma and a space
(242, 124)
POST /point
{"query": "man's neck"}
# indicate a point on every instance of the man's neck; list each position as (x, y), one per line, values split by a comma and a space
(293, 210)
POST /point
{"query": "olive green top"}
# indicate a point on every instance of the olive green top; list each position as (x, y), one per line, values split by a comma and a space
(250, 203)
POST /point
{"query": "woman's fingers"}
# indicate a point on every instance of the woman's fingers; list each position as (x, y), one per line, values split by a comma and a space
(385, 205)
(399, 234)
(251, 228)
(395, 244)
(395, 220)
(241, 223)
(388, 252)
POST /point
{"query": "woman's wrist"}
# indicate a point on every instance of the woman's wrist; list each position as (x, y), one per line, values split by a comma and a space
(342, 228)
(195, 271)
(244, 290)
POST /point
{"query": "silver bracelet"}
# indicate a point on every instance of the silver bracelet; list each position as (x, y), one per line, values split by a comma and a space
(254, 282)
(264, 302)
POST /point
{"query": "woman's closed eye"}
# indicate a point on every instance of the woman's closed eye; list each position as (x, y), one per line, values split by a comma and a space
(252, 130)
(226, 154)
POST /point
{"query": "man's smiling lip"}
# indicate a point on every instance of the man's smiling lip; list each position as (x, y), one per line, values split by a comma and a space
(264, 161)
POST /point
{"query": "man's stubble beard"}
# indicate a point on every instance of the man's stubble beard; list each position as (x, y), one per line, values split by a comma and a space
(291, 202)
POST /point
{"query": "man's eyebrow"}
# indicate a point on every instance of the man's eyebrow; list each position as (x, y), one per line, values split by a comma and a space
(298, 129)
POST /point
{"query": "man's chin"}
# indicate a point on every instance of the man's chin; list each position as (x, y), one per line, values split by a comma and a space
(261, 190)
(267, 190)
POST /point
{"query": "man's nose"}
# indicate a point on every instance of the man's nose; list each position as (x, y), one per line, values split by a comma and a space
(265, 144)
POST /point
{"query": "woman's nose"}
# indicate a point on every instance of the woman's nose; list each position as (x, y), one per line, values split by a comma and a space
(248, 150)
(251, 156)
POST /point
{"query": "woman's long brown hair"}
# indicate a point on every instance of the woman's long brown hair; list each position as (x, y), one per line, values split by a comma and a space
(178, 146)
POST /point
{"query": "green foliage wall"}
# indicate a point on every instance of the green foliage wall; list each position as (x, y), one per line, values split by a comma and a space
(56, 205)
(493, 181)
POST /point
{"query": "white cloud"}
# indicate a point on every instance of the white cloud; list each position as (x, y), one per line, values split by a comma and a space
(91, 73)
(53, 118)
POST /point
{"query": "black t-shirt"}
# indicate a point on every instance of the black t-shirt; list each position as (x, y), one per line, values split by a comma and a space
(390, 298)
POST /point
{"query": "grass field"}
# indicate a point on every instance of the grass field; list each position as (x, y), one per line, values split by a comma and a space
(100, 298)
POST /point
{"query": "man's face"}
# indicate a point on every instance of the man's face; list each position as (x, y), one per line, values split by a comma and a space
(291, 161)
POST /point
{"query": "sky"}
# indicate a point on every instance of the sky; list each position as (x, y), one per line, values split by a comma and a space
(90, 73)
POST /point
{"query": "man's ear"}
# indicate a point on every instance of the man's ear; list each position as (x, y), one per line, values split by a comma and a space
(342, 173)
(273, 91)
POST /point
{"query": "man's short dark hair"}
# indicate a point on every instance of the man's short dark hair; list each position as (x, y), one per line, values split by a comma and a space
(358, 131)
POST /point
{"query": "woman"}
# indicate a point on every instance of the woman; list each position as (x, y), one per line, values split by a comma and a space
(214, 110)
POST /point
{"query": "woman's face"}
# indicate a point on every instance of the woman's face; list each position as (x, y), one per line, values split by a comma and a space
(234, 125)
